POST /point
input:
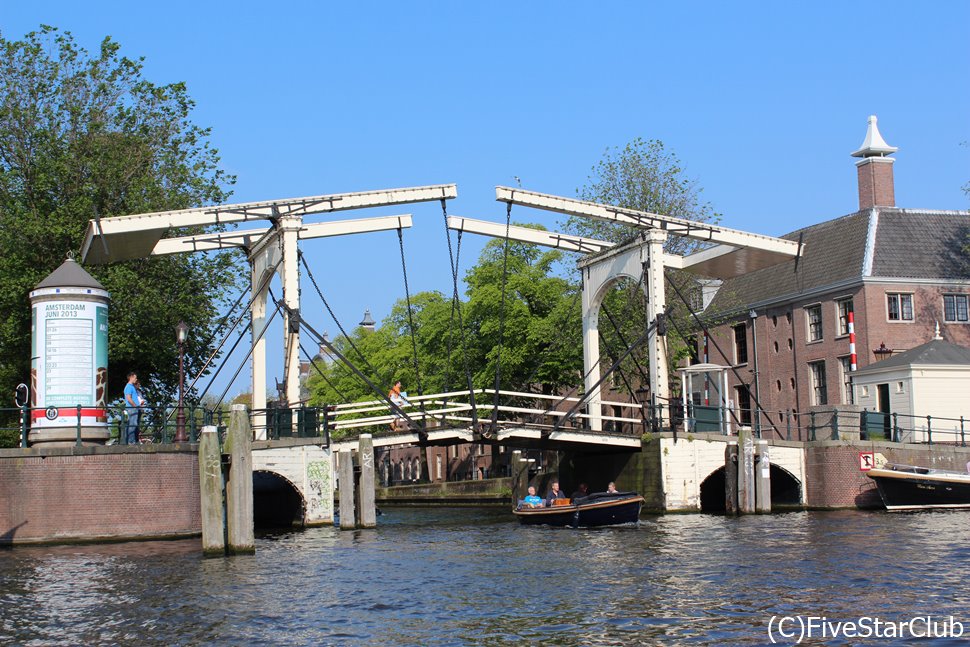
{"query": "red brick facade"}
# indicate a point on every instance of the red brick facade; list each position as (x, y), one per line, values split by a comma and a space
(98, 493)
(876, 184)
(784, 352)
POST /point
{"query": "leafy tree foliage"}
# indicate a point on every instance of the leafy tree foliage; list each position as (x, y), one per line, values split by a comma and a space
(84, 135)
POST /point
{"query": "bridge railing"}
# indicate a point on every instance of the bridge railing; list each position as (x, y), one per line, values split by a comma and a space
(159, 424)
(834, 424)
(454, 409)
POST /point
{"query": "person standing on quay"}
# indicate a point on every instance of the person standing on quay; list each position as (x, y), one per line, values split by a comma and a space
(134, 403)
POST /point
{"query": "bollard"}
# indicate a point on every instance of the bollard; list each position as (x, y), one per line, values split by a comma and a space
(731, 478)
(929, 430)
(368, 511)
(762, 478)
(348, 518)
(210, 489)
(239, 485)
(746, 496)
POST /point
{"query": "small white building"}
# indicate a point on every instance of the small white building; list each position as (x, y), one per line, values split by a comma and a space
(924, 388)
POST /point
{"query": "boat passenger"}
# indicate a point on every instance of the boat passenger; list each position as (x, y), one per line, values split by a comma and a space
(555, 493)
(532, 500)
(611, 488)
(581, 491)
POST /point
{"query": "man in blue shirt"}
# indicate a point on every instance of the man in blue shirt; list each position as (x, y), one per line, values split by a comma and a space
(532, 501)
(134, 403)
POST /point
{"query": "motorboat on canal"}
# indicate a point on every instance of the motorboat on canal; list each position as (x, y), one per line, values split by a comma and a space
(598, 509)
(908, 487)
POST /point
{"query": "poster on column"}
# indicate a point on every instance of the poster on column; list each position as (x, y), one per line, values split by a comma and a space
(69, 362)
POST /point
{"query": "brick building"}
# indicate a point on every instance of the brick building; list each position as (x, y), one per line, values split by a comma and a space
(899, 271)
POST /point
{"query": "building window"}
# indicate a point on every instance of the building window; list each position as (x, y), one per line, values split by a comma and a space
(740, 344)
(845, 370)
(743, 395)
(819, 393)
(844, 308)
(899, 307)
(955, 308)
(814, 314)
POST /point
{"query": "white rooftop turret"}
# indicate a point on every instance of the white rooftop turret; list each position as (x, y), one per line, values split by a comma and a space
(874, 145)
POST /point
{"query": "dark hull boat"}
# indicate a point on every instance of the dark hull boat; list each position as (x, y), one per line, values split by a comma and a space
(907, 487)
(595, 510)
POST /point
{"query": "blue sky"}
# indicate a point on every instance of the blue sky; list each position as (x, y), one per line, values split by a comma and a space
(762, 102)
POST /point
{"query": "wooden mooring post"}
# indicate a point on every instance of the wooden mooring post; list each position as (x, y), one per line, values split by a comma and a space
(239, 484)
(762, 478)
(365, 492)
(226, 487)
(731, 478)
(345, 474)
(746, 493)
(210, 488)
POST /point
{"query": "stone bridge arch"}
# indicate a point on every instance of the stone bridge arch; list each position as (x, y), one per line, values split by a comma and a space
(298, 480)
(786, 490)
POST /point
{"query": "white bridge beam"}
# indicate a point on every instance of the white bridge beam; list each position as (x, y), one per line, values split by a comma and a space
(250, 239)
(646, 220)
(129, 237)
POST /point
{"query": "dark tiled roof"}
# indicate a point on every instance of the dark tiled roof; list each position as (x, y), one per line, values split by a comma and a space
(834, 251)
(909, 243)
(69, 275)
(936, 352)
(922, 245)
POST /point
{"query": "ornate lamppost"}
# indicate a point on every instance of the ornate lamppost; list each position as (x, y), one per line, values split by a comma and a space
(182, 334)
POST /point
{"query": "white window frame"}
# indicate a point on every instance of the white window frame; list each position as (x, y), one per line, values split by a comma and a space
(845, 373)
(816, 307)
(819, 386)
(898, 298)
(957, 297)
(842, 319)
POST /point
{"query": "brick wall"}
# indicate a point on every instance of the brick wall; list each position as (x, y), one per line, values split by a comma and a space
(834, 479)
(876, 183)
(98, 493)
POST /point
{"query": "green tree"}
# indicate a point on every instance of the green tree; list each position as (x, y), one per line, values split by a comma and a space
(84, 135)
(644, 176)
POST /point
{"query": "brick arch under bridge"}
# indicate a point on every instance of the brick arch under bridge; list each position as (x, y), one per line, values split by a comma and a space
(293, 485)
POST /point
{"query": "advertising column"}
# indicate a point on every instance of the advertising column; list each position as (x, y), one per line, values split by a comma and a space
(69, 363)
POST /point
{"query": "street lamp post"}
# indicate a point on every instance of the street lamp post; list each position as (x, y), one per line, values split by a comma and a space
(181, 333)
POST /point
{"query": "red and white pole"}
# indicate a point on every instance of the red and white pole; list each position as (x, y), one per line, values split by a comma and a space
(852, 355)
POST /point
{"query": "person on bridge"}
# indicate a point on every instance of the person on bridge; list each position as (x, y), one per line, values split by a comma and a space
(555, 493)
(532, 500)
(399, 399)
(134, 403)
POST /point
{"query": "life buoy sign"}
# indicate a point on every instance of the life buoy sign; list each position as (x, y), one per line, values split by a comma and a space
(51, 413)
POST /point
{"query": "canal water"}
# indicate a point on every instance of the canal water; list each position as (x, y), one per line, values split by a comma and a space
(465, 577)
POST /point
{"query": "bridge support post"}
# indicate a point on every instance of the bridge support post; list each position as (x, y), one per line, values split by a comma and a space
(762, 478)
(746, 495)
(210, 488)
(348, 516)
(365, 494)
(239, 487)
(731, 478)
